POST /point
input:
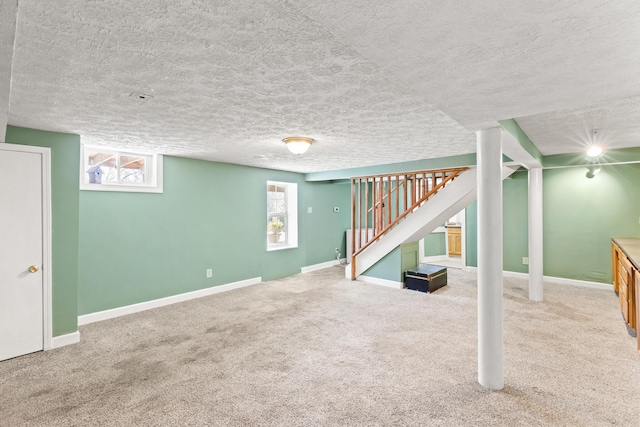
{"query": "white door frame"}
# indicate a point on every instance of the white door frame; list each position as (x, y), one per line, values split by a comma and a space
(47, 314)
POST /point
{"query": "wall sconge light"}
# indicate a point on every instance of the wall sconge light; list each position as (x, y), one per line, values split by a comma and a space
(298, 144)
(593, 171)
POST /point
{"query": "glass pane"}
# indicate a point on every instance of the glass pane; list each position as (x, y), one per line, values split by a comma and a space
(276, 213)
(100, 167)
(133, 168)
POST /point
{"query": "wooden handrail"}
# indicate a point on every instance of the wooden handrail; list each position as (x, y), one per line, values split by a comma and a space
(418, 187)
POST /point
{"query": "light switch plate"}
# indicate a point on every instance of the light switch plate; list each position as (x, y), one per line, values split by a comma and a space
(309, 209)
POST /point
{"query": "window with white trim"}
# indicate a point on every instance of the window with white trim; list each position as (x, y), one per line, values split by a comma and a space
(282, 215)
(104, 169)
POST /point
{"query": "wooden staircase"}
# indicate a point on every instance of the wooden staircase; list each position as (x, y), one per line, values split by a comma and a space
(380, 202)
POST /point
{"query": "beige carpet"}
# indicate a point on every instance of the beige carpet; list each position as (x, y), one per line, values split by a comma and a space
(319, 350)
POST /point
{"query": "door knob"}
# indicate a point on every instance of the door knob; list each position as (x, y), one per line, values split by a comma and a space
(33, 269)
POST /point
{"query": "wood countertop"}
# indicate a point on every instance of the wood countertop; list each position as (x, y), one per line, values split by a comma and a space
(631, 248)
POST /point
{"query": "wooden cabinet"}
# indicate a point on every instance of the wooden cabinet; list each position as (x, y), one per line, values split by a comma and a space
(454, 237)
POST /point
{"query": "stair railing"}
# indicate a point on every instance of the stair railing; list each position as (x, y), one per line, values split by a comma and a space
(380, 202)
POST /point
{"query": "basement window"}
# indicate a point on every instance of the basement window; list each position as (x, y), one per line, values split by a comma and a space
(104, 169)
(282, 215)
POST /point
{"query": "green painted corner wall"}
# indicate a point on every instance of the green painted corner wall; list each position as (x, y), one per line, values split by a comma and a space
(65, 166)
(325, 229)
(137, 247)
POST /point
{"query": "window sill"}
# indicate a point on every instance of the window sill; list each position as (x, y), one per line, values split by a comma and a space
(272, 248)
(122, 188)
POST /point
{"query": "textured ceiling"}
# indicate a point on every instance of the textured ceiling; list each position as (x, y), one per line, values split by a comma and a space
(617, 125)
(372, 82)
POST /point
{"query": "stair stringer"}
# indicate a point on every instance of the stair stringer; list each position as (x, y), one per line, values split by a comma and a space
(447, 202)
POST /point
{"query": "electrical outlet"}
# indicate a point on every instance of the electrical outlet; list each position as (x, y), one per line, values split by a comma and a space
(337, 250)
(336, 208)
(209, 273)
(525, 260)
(309, 209)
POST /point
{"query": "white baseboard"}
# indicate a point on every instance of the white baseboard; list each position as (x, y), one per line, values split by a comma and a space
(574, 282)
(85, 319)
(434, 258)
(63, 340)
(552, 279)
(381, 282)
(320, 266)
(514, 274)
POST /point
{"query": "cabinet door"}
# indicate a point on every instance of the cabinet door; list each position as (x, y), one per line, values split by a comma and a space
(631, 298)
(457, 244)
(454, 239)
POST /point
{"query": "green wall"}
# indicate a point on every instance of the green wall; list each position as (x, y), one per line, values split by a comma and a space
(435, 244)
(65, 167)
(515, 224)
(410, 257)
(136, 247)
(582, 215)
(471, 234)
(515, 221)
(388, 268)
(395, 263)
(325, 229)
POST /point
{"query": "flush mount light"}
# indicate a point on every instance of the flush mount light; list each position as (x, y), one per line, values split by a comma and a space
(298, 144)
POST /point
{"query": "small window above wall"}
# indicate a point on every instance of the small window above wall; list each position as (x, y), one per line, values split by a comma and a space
(104, 169)
(282, 215)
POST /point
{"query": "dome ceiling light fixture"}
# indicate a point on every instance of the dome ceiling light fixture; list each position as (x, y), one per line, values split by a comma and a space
(298, 144)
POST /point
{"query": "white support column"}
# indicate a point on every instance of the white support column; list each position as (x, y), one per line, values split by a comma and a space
(490, 323)
(535, 235)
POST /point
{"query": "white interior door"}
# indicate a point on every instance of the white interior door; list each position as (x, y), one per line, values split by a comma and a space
(22, 250)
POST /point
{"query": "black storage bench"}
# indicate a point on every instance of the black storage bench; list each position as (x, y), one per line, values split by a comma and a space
(426, 278)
